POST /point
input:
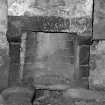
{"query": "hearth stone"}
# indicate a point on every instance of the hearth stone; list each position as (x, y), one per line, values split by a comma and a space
(17, 96)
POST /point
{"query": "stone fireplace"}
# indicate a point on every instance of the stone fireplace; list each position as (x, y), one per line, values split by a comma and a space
(50, 60)
(54, 48)
(49, 39)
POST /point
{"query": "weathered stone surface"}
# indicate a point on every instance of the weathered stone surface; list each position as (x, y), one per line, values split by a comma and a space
(4, 47)
(21, 90)
(89, 103)
(99, 19)
(2, 101)
(85, 40)
(39, 23)
(78, 12)
(14, 77)
(13, 33)
(84, 63)
(17, 96)
(84, 94)
(51, 24)
(66, 8)
(46, 97)
(49, 59)
(97, 65)
(3, 25)
(84, 54)
(4, 68)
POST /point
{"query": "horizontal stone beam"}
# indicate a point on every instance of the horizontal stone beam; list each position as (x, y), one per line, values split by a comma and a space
(81, 26)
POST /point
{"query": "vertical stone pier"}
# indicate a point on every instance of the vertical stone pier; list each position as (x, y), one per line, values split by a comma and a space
(4, 47)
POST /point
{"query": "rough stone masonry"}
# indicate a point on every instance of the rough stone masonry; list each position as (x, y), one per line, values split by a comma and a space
(79, 15)
(77, 12)
(4, 47)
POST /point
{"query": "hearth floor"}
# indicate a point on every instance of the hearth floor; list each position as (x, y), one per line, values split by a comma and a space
(54, 97)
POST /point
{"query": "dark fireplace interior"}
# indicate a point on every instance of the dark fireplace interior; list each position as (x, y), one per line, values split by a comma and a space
(49, 53)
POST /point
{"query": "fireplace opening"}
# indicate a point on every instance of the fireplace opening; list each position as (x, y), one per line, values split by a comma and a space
(49, 60)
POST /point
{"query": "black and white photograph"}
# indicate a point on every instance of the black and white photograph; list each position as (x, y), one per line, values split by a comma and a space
(52, 52)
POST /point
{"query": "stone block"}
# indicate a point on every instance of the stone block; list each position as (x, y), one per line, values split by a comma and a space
(4, 71)
(14, 68)
(4, 46)
(77, 14)
(66, 8)
(99, 19)
(84, 94)
(97, 65)
(46, 97)
(4, 62)
(17, 96)
(69, 97)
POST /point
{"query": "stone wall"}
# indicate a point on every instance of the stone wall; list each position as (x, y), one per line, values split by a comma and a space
(97, 56)
(77, 16)
(4, 47)
(65, 8)
(78, 12)
(99, 19)
(97, 65)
